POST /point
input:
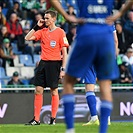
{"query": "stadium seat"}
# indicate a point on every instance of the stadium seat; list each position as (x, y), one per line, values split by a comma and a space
(36, 58)
(63, 3)
(11, 70)
(25, 81)
(3, 73)
(26, 59)
(27, 72)
(16, 62)
(2, 82)
(73, 3)
(15, 49)
(4, 11)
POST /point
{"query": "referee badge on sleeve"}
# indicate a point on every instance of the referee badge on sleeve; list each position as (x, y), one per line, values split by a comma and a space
(52, 43)
(65, 40)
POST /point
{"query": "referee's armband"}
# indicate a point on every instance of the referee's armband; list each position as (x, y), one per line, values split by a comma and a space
(62, 69)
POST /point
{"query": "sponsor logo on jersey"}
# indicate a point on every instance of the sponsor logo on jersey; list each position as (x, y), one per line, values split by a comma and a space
(97, 9)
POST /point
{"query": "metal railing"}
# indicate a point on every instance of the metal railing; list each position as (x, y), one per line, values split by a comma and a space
(76, 87)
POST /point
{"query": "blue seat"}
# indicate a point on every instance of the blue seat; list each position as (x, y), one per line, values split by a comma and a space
(15, 49)
(26, 59)
(25, 81)
(73, 3)
(4, 11)
(3, 73)
(63, 3)
(2, 82)
(36, 58)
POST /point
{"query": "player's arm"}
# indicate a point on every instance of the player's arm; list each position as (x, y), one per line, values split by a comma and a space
(122, 10)
(64, 44)
(56, 4)
(64, 60)
(116, 42)
(64, 57)
(30, 36)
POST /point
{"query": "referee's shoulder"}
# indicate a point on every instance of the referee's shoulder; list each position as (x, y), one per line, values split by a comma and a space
(60, 29)
(44, 30)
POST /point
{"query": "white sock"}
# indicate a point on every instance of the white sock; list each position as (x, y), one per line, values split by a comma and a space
(109, 118)
(70, 130)
(95, 117)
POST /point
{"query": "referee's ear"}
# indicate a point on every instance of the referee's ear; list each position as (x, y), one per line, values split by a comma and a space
(54, 19)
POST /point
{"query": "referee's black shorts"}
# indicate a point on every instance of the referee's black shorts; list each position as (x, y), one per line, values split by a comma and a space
(47, 74)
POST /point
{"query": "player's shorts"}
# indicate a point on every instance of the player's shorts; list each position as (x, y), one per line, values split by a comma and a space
(93, 46)
(47, 74)
(89, 77)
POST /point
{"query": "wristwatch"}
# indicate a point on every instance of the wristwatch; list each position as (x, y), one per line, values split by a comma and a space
(62, 69)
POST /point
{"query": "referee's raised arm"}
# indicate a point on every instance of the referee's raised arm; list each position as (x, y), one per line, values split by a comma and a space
(30, 35)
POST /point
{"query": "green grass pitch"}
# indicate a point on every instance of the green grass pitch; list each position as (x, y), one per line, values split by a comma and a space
(115, 127)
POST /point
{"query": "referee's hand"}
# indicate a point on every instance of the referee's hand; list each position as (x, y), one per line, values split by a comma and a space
(41, 22)
(62, 74)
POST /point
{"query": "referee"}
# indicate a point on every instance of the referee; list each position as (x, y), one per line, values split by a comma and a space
(52, 64)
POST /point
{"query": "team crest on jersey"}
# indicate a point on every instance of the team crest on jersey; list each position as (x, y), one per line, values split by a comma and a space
(52, 43)
(65, 40)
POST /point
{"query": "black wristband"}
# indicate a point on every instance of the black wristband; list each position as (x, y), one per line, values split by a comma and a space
(36, 27)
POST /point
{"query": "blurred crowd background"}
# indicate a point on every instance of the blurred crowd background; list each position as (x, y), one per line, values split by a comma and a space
(19, 58)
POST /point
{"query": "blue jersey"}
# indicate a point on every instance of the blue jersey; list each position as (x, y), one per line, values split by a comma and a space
(95, 9)
(114, 29)
(95, 12)
(94, 43)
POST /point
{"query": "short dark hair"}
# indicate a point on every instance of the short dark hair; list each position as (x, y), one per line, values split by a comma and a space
(52, 13)
(16, 2)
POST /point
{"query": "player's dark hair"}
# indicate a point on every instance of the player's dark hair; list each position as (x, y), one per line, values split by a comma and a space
(52, 13)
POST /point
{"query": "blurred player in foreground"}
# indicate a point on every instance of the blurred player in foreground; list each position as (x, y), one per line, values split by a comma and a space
(90, 80)
(102, 55)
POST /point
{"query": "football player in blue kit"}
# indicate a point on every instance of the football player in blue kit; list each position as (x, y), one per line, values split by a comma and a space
(89, 79)
(94, 44)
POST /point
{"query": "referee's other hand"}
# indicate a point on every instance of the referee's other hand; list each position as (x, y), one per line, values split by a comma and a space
(62, 74)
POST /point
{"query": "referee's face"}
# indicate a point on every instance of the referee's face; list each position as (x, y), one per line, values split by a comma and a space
(48, 20)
